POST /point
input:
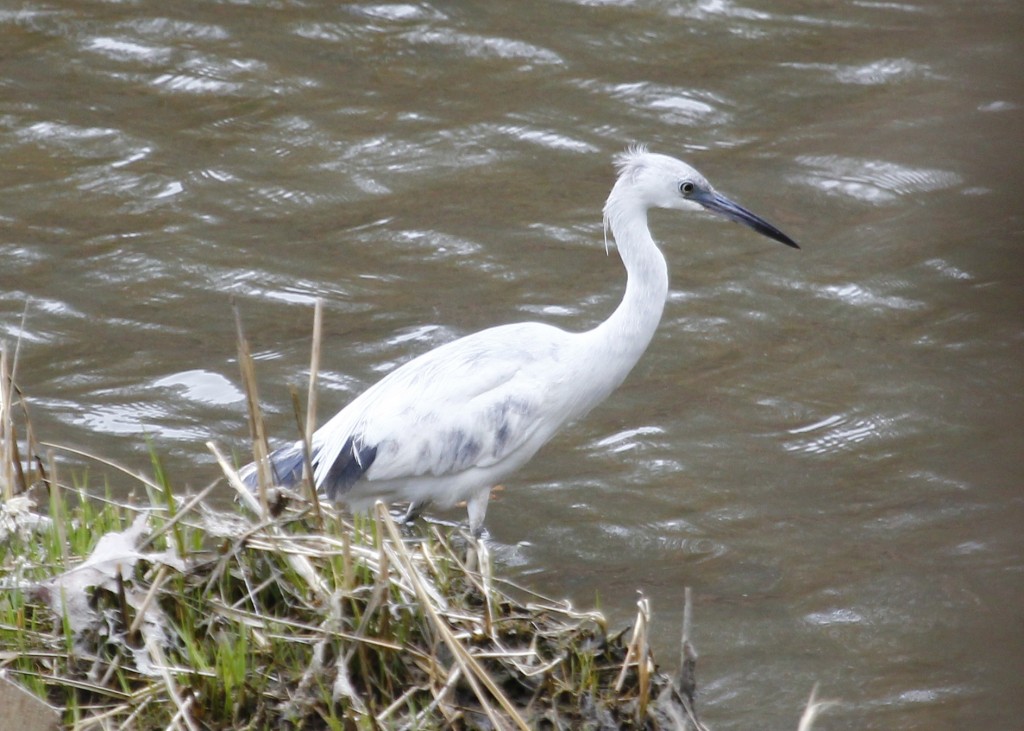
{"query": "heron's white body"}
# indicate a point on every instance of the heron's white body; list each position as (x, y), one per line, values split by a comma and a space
(457, 420)
(460, 418)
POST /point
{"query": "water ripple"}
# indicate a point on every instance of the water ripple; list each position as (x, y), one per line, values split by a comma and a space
(672, 104)
(84, 142)
(861, 296)
(546, 138)
(838, 433)
(948, 270)
(628, 439)
(437, 245)
(328, 31)
(875, 181)
(202, 387)
(723, 8)
(178, 31)
(131, 51)
(477, 46)
(129, 418)
(399, 12)
(210, 75)
(834, 617)
(882, 72)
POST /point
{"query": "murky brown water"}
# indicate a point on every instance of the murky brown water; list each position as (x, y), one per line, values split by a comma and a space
(824, 444)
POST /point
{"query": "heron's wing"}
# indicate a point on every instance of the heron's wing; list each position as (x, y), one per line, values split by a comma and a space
(469, 403)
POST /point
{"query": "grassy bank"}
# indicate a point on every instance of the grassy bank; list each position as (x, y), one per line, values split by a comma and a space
(164, 614)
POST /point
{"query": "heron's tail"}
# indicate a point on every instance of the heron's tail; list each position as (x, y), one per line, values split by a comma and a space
(285, 464)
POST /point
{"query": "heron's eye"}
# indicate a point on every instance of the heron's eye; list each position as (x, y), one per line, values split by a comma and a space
(686, 187)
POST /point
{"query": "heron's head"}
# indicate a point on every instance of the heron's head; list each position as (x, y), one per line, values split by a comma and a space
(648, 180)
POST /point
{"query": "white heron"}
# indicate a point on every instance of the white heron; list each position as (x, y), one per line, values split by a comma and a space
(450, 424)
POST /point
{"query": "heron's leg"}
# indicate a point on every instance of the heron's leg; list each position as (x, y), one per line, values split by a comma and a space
(477, 507)
(414, 511)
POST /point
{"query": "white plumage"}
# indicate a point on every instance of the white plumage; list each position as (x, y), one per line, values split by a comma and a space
(457, 420)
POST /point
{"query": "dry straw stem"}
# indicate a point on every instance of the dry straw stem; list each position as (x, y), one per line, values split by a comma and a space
(637, 655)
(10, 460)
(686, 681)
(310, 426)
(12, 474)
(814, 708)
(7, 437)
(182, 718)
(257, 427)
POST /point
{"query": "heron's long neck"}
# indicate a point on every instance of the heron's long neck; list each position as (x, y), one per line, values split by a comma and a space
(621, 339)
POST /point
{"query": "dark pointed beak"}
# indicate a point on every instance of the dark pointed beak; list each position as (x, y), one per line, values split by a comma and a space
(734, 211)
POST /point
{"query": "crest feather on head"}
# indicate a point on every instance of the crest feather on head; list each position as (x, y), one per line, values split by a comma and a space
(628, 162)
